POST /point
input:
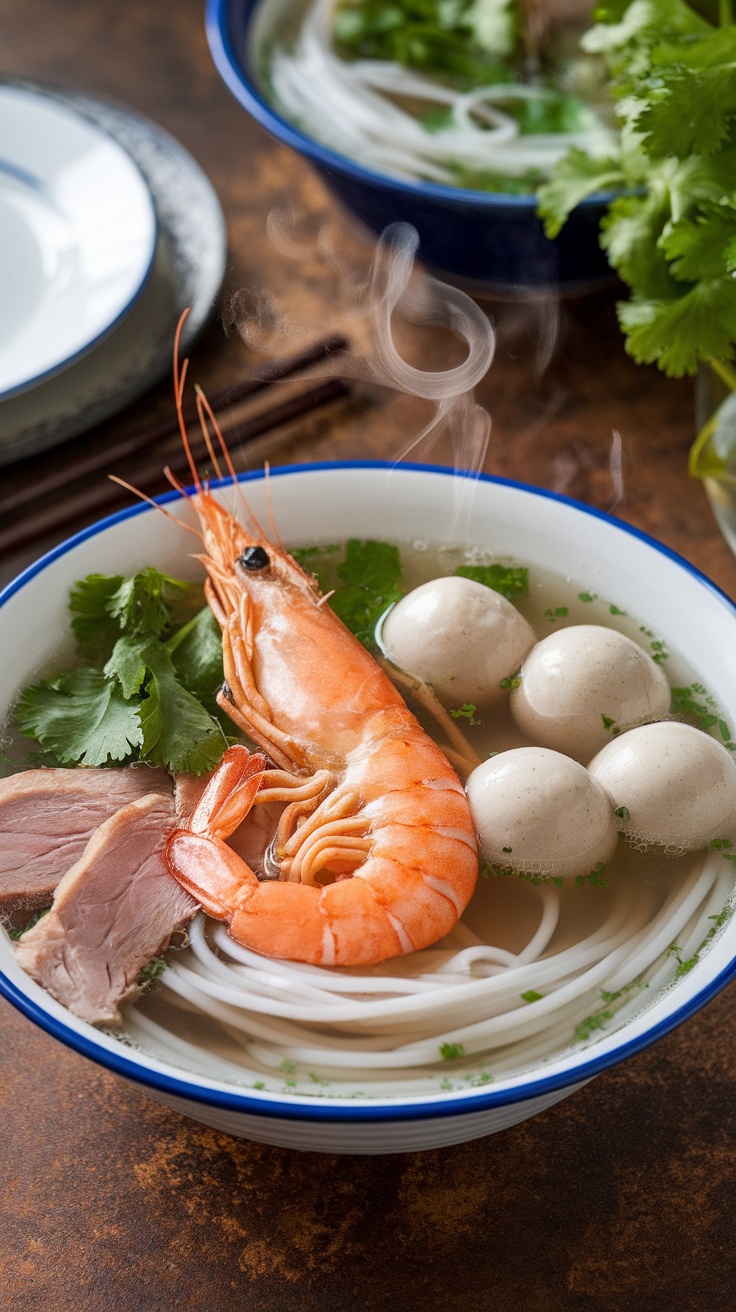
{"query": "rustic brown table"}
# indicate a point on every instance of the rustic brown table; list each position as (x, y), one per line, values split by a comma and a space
(622, 1196)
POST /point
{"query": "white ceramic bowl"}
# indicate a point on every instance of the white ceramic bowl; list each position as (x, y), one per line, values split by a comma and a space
(324, 502)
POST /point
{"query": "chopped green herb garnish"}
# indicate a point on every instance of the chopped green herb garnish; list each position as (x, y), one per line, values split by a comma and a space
(610, 725)
(258, 1085)
(16, 931)
(614, 610)
(586, 596)
(700, 713)
(531, 995)
(151, 971)
(558, 613)
(287, 1067)
(506, 849)
(622, 812)
(512, 682)
(590, 1025)
(451, 1051)
(718, 844)
(510, 580)
(465, 712)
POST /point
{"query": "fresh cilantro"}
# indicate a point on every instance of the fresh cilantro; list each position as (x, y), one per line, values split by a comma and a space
(718, 844)
(671, 232)
(623, 813)
(698, 713)
(151, 971)
(512, 682)
(586, 1028)
(465, 712)
(82, 717)
(369, 577)
(510, 580)
(16, 931)
(559, 613)
(586, 596)
(451, 1051)
(178, 732)
(151, 695)
(610, 725)
(531, 995)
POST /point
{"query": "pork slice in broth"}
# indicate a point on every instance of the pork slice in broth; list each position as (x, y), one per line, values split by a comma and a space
(114, 910)
(47, 817)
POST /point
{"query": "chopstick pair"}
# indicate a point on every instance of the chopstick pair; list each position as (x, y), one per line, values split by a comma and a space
(148, 474)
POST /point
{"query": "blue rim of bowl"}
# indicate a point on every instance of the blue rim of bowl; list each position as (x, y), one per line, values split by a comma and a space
(56, 95)
(232, 70)
(434, 1105)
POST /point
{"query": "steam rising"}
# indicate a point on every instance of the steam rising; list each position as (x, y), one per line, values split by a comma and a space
(366, 310)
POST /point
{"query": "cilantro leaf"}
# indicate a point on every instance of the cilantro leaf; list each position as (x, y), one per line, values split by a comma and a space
(510, 580)
(196, 652)
(678, 333)
(127, 664)
(94, 629)
(82, 717)
(142, 603)
(576, 177)
(370, 573)
(177, 731)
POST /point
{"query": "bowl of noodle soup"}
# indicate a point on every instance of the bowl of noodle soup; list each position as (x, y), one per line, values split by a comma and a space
(538, 988)
(488, 241)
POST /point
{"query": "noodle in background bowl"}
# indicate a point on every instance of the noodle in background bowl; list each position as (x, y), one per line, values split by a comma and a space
(486, 242)
(318, 503)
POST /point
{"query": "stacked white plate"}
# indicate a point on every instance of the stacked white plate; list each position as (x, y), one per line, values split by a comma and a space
(108, 230)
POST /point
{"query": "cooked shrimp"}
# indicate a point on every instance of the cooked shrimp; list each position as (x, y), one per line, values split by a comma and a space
(375, 853)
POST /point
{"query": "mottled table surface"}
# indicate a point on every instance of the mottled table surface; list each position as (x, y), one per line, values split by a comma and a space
(624, 1195)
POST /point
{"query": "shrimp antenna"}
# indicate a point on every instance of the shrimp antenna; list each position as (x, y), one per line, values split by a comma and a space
(269, 503)
(142, 496)
(230, 466)
(202, 415)
(179, 380)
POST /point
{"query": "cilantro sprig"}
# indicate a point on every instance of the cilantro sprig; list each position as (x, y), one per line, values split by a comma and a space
(149, 694)
(671, 232)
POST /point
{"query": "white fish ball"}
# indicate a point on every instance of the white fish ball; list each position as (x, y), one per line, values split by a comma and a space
(578, 679)
(537, 810)
(459, 636)
(676, 785)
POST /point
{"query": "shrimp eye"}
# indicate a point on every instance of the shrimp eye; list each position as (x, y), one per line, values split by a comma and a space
(254, 558)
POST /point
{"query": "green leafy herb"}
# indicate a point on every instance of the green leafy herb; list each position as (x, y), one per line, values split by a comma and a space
(369, 576)
(512, 682)
(16, 931)
(151, 971)
(558, 613)
(151, 697)
(623, 813)
(465, 712)
(671, 235)
(510, 580)
(595, 877)
(586, 1028)
(451, 1051)
(703, 714)
(531, 995)
(586, 596)
(448, 38)
(610, 725)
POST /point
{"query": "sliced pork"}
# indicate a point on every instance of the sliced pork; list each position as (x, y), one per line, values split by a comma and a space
(114, 910)
(47, 817)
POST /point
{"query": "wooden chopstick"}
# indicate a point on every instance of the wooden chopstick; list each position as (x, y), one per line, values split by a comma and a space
(148, 476)
(99, 458)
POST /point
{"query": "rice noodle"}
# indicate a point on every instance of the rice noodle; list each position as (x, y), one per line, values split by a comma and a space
(343, 1026)
(348, 106)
